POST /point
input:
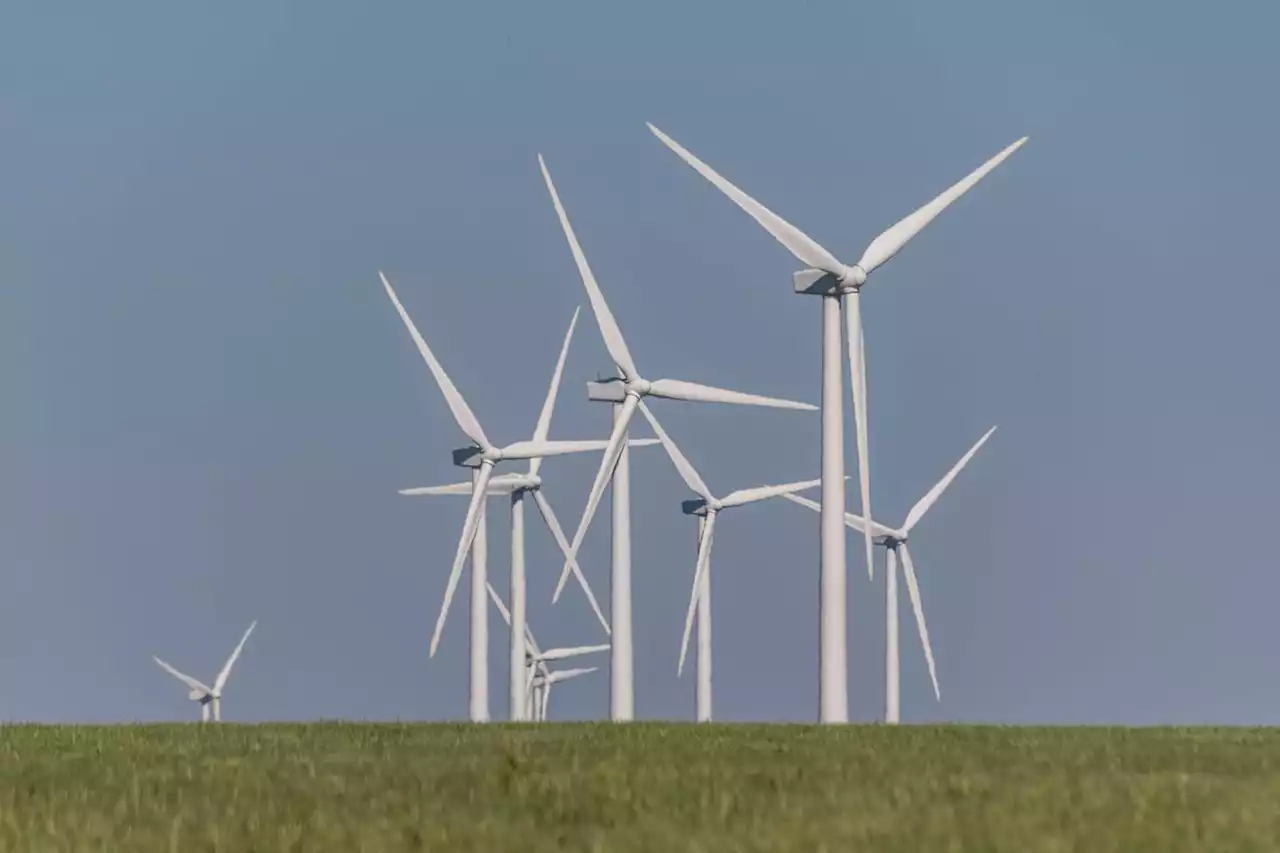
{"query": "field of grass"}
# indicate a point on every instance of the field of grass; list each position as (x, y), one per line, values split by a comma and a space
(655, 787)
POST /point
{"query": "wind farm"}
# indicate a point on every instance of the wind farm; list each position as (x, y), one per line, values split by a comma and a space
(411, 444)
(568, 774)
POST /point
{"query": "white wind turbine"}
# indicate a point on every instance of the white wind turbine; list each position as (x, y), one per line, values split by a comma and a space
(895, 545)
(540, 677)
(482, 455)
(518, 486)
(839, 284)
(542, 684)
(209, 697)
(707, 507)
(625, 391)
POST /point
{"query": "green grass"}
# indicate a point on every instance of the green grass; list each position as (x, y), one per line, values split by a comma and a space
(653, 787)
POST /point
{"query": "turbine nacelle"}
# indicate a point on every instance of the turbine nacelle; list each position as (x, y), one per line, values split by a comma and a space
(617, 390)
(823, 283)
(607, 390)
(695, 506)
(475, 456)
(528, 483)
(469, 457)
(200, 696)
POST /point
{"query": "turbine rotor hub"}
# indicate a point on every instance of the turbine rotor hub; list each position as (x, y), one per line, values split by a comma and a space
(853, 278)
(638, 387)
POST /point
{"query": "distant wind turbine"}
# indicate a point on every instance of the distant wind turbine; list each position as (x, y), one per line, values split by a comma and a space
(518, 486)
(708, 508)
(482, 455)
(539, 676)
(626, 391)
(542, 684)
(894, 542)
(209, 697)
(839, 284)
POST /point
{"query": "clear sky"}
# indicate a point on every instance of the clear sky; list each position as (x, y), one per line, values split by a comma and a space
(210, 402)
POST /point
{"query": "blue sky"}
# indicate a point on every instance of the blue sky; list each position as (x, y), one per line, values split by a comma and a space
(211, 402)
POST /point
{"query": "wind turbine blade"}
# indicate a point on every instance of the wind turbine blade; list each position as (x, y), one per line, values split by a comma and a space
(676, 389)
(469, 527)
(557, 533)
(499, 485)
(686, 470)
(498, 602)
(922, 506)
(461, 411)
(704, 557)
(760, 493)
(858, 381)
(609, 330)
(183, 677)
(452, 489)
(913, 589)
(537, 449)
(225, 673)
(891, 241)
(797, 242)
(549, 404)
(603, 475)
(850, 520)
(570, 652)
(506, 617)
(565, 674)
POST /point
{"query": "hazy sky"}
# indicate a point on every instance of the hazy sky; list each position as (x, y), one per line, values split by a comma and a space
(210, 402)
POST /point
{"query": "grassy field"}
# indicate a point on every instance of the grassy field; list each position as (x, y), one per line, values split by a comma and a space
(657, 787)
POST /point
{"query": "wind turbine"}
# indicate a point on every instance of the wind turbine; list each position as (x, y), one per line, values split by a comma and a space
(625, 391)
(707, 507)
(209, 697)
(482, 455)
(538, 679)
(839, 285)
(542, 684)
(894, 542)
(518, 486)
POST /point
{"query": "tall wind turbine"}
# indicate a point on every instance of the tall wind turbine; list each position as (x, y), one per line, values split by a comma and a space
(707, 507)
(518, 486)
(894, 542)
(538, 673)
(839, 285)
(626, 391)
(209, 697)
(482, 455)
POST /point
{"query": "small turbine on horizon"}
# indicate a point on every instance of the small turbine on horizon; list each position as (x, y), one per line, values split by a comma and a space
(210, 698)
(539, 676)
